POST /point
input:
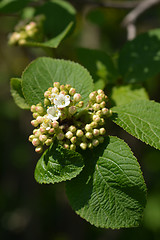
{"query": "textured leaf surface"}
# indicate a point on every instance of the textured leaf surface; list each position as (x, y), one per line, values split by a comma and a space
(99, 64)
(58, 164)
(128, 93)
(42, 72)
(140, 58)
(17, 94)
(141, 118)
(110, 191)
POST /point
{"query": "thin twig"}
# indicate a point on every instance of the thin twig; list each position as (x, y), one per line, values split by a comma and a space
(130, 19)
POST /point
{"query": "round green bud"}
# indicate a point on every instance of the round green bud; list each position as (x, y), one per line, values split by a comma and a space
(102, 131)
(56, 84)
(67, 86)
(40, 109)
(72, 91)
(95, 142)
(105, 111)
(102, 122)
(34, 123)
(31, 137)
(72, 110)
(42, 138)
(80, 104)
(51, 131)
(77, 97)
(96, 107)
(96, 118)
(37, 133)
(73, 147)
(66, 146)
(89, 135)
(94, 124)
(47, 102)
(72, 128)
(96, 132)
(99, 113)
(46, 94)
(35, 142)
(43, 130)
(100, 91)
(39, 149)
(83, 146)
(49, 141)
(79, 133)
(40, 119)
(90, 145)
(33, 108)
(73, 140)
(102, 104)
(99, 99)
(69, 134)
(35, 115)
(62, 87)
(55, 124)
(88, 128)
(92, 95)
(101, 139)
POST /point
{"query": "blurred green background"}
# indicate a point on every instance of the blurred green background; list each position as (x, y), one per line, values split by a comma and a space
(32, 211)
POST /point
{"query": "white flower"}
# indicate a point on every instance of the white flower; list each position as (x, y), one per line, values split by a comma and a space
(53, 96)
(62, 100)
(53, 113)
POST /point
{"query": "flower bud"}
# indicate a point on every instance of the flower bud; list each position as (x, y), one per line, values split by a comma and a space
(48, 142)
(34, 123)
(99, 113)
(102, 122)
(99, 99)
(102, 104)
(43, 130)
(94, 124)
(51, 131)
(73, 140)
(40, 109)
(88, 128)
(72, 91)
(40, 119)
(62, 87)
(42, 138)
(90, 145)
(101, 139)
(39, 149)
(33, 108)
(100, 91)
(80, 104)
(69, 134)
(77, 97)
(102, 131)
(72, 110)
(66, 146)
(83, 146)
(31, 138)
(46, 94)
(92, 95)
(96, 118)
(56, 84)
(72, 128)
(37, 133)
(35, 142)
(60, 136)
(89, 135)
(109, 113)
(35, 115)
(55, 124)
(79, 133)
(22, 42)
(47, 102)
(96, 107)
(63, 92)
(73, 147)
(96, 132)
(105, 111)
(68, 86)
(95, 142)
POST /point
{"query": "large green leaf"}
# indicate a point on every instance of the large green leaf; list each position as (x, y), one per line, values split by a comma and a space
(42, 72)
(141, 118)
(58, 164)
(17, 94)
(110, 192)
(140, 58)
(59, 21)
(9, 6)
(99, 64)
(127, 93)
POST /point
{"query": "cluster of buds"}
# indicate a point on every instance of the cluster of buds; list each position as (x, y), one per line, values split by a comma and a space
(27, 31)
(62, 118)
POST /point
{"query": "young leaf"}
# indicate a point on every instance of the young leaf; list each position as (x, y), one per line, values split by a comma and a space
(17, 94)
(141, 118)
(110, 192)
(58, 164)
(42, 72)
(139, 59)
(99, 64)
(128, 93)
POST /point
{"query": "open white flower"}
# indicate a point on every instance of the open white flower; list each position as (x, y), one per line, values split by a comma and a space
(53, 96)
(62, 100)
(53, 113)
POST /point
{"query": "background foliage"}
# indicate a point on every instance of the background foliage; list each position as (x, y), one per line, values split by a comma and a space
(32, 211)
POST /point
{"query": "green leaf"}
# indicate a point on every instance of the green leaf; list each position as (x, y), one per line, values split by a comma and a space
(9, 6)
(139, 59)
(53, 42)
(42, 72)
(17, 94)
(110, 192)
(128, 93)
(141, 118)
(99, 64)
(58, 164)
(59, 22)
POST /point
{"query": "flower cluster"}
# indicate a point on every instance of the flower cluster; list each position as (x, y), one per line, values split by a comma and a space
(62, 118)
(27, 31)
